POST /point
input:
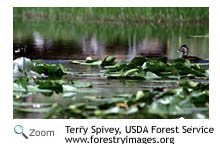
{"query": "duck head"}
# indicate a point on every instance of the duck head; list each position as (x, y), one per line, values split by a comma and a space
(184, 49)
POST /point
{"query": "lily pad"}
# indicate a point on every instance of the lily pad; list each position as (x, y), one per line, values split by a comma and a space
(108, 61)
(150, 75)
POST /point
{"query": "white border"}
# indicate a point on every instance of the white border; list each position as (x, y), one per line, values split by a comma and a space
(111, 3)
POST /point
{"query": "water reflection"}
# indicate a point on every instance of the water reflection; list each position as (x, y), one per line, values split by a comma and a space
(63, 41)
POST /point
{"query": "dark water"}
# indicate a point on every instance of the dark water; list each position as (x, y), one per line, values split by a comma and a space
(67, 40)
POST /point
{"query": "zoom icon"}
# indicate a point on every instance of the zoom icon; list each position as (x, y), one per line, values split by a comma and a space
(19, 130)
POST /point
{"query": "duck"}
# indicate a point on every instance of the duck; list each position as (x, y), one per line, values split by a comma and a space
(185, 50)
(20, 50)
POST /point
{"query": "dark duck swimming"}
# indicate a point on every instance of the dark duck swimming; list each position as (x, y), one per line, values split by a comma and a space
(185, 50)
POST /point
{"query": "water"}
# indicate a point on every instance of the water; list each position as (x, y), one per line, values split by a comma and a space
(101, 91)
(69, 40)
(63, 40)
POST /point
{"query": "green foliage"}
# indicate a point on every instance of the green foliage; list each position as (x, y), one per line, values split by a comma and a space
(140, 67)
(50, 69)
(127, 14)
(108, 61)
(175, 103)
(187, 99)
(24, 67)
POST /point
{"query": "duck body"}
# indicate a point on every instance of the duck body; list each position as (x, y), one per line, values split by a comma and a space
(185, 50)
(192, 58)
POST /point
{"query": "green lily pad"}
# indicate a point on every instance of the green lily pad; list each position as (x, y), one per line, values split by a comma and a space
(150, 75)
(50, 69)
(32, 110)
(68, 94)
(130, 72)
(108, 61)
(69, 88)
(138, 60)
(79, 84)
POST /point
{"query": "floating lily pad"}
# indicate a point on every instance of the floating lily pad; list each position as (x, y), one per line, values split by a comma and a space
(166, 89)
(150, 75)
(108, 61)
(50, 69)
(33, 110)
(82, 84)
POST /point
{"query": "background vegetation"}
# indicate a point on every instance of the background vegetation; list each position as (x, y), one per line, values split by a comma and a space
(158, 14)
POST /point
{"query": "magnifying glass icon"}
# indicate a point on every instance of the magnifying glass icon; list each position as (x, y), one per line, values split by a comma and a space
(19, 130)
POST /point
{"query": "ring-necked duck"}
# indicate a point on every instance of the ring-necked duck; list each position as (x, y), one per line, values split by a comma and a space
(185, 50)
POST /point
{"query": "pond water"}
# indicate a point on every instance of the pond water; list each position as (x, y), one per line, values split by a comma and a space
(63, 40)
(68, 40)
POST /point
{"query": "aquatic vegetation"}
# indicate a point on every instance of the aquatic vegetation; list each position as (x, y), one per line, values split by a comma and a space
(108, 61)
(145, 68)
(188, 98)
(127, 14)
(24, 67)
(50, 69)
(188, 101)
